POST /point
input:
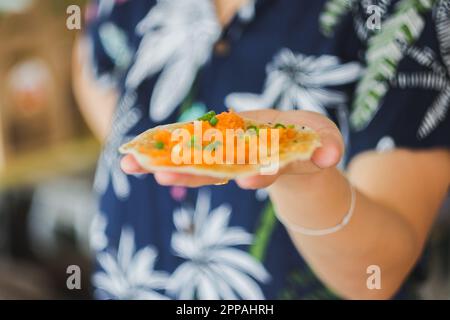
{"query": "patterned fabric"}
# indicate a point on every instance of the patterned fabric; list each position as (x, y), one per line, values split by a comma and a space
(170, 60)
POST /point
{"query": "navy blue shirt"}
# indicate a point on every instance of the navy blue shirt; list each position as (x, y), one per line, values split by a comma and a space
(172, 61)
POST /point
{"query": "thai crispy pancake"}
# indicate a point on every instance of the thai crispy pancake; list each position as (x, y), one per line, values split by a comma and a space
(255, 148)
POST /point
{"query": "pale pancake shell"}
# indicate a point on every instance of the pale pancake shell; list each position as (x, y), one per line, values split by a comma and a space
(221, 171)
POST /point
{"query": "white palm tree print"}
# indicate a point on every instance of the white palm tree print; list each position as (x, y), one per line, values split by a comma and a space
(248, 10)
(177, 39)
(297, 81)
(97, 233)
(213, 268)
(385, 144)
(129, 274)
(438, 111)
(105, 7)
(114, 41)
(108, 170)
(436, 77)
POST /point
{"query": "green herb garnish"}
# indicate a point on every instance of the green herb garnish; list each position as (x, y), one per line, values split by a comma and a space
(279, 125)
(159, 145)
(207, 116)
(213, 121)
(254, 128)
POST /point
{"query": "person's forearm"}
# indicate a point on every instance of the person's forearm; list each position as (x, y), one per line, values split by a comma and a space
(96, 103)
(374, 236)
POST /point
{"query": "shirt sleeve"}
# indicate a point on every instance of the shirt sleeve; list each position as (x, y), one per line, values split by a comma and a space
(403, 99)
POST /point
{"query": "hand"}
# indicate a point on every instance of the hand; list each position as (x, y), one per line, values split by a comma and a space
(326, 156)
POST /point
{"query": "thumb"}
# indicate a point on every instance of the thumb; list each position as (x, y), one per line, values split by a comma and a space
(332, 149)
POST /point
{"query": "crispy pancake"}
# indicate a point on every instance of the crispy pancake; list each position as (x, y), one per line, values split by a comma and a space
(264, 147)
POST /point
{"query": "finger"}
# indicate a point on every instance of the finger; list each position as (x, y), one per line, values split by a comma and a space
(263, 115)
(129, 165)
(332, 149)
(256, 182)
(184, 180)
(300, 167)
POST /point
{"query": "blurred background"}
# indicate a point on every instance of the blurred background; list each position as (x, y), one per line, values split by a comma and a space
(48, 159)
(47, 155)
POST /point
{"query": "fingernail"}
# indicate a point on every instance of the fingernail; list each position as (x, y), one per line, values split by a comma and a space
(126, 166)
(245, 183)
(164, 178)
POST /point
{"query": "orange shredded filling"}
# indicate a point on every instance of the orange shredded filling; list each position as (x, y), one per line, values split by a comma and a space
(160, 150)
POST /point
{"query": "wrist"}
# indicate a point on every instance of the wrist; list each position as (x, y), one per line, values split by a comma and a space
(309, 182)
(314, 200)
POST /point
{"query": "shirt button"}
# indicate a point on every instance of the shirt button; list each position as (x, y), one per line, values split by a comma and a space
(222, 48)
